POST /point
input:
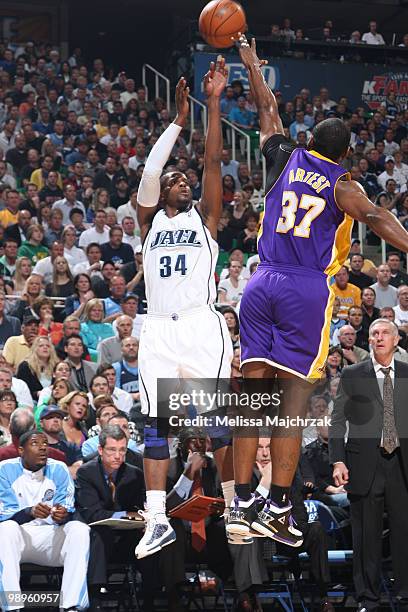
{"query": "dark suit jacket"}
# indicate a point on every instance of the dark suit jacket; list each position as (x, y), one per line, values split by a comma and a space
(93, 495)
(208, 476)
(13, 232)
(359, 403)
(89, 371)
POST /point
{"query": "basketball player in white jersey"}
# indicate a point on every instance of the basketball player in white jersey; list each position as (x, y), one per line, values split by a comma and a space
(183, 335)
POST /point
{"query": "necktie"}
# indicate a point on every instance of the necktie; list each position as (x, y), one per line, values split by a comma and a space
(198, 537)
(112, 487)
(390, 436)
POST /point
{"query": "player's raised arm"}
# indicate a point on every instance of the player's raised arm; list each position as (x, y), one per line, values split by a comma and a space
(149, 191)
(211, 199)
(269, 119)
(352, 198)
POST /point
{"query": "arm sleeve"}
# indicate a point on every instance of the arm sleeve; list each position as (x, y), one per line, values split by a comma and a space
(149, 189)
(9, 505)
(277, 151)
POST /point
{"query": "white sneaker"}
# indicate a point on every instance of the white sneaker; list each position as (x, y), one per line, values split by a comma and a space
(159, 533)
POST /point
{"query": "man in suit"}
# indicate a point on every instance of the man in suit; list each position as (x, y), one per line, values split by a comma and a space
(373, 463)
(193, 472)
(107, 487)
(18, 231)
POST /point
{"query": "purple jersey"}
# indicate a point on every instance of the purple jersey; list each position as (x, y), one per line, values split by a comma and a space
(302, 224)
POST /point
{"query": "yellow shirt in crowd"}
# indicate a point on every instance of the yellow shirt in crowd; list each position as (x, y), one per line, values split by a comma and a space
(350, 296)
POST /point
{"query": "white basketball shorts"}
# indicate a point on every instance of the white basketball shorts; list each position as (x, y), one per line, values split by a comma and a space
(191, 344)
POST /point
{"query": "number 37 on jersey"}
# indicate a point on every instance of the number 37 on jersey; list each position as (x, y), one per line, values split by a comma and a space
(290, 220)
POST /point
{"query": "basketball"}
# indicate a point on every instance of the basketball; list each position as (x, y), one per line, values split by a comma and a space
(221, 21)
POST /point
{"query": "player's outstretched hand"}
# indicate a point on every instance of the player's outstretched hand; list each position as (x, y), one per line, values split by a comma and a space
(215, 80)
(182, 104)
(248, 54)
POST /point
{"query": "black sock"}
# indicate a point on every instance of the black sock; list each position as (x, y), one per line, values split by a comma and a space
(280, 495)
(243, 491)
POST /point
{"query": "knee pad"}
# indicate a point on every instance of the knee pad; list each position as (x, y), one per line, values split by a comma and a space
(155, 439)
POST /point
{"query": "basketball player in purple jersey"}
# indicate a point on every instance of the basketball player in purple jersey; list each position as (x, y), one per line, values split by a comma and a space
(286, 308)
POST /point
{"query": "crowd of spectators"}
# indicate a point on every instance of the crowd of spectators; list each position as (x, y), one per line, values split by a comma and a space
(74, 139)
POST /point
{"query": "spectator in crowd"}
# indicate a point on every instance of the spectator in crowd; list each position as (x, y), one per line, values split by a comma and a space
(8, 404)
(51, 419)
(44, 309)
(21, 275)
(107, 487)
(18, 231)
(334, 364)
(45, 267)
(351, 352)
(129, 305)
(36, 527)
(117, 291)
(348, 294)
(8, 260)
(21, 421)
(9, 326)
(121, 398)
(115, 250)
(55, 227)
(100, 286)
(33, 247)
(129, 209)
(230, 289)
(336, 322)
(368, 267)
(75, 407)
(370, 312)
(103, 414)
(93, 265)
(401, 310)
(355, 319)
(228, 184)
(356, 276)
(62, 284)
(75, 304)
(59, 388)
(9, 383)
(51, 192)
(68, 203)
(109, 350)
(17, 348)
(81, 371)
(232, 321)
(127, 369)
(390, 172)
(397, 276)
(372, 37)
(72, 253)
(247, 239)
(129, 235)
(36, 370)
(315, 463)
(99, 233)
(386, 294)
(10, 214)
(93, 329)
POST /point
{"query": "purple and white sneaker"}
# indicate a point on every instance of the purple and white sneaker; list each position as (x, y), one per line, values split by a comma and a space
(241, 515)
(277, 523)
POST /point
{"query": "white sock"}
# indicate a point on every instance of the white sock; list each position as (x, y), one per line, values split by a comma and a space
(228, 491)
(156, 502)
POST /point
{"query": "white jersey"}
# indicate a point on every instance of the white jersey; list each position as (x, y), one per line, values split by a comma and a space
(179, 259)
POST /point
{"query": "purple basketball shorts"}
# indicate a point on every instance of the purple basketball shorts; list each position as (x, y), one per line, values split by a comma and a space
(285, 315)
